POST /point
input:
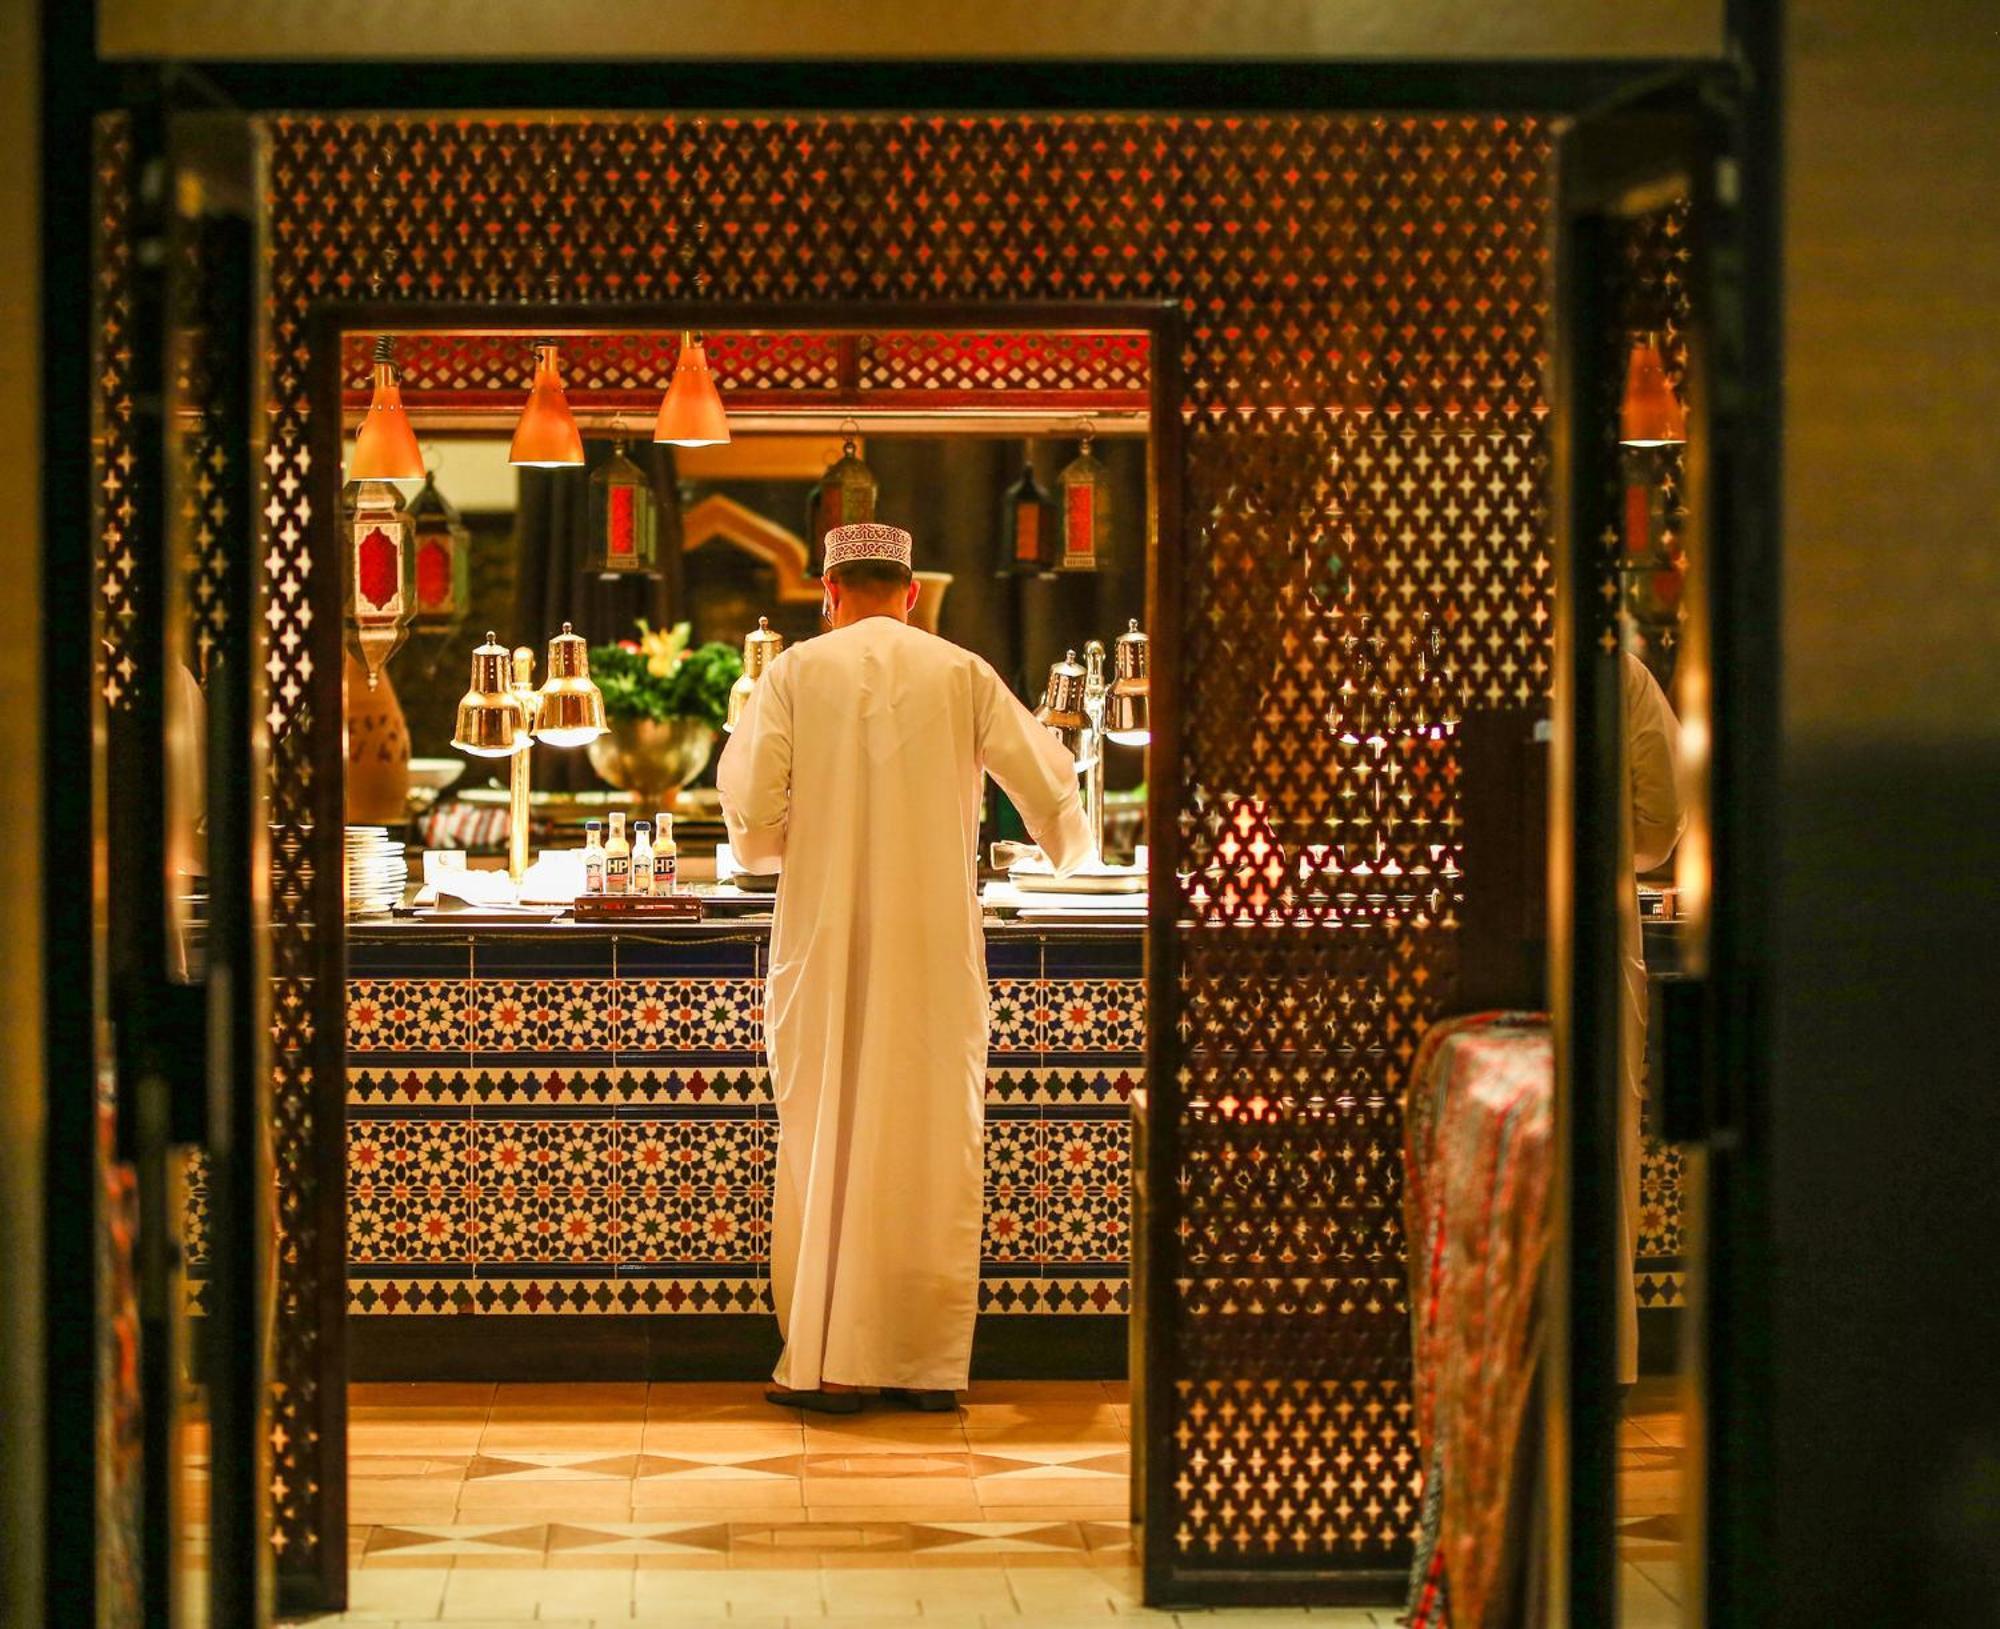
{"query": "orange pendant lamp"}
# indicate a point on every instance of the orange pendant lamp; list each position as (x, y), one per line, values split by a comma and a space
(546, 436)
(386, 448)
(691, 414)
(1651, 415)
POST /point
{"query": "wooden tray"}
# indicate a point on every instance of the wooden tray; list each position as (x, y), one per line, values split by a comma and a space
(638, 908)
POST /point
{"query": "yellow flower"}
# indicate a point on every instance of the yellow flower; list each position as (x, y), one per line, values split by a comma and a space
(663, 651)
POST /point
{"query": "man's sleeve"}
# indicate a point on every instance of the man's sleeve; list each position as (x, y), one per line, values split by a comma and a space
(755, 774)
(1652, 752)
(1033, 770)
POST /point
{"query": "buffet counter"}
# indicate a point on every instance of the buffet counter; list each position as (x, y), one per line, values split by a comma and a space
(560, 1128)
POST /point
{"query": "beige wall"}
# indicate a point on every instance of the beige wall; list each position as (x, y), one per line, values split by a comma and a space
(688, 29)
(1892, 297)
(21, 1119)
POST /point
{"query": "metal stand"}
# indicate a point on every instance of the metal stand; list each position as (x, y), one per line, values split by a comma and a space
(518, 769)
(1093, 777)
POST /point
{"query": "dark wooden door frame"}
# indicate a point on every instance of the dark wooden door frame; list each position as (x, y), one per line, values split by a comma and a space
(1683, 140)
(77, 85)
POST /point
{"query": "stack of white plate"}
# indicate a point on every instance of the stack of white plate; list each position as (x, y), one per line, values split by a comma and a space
(376, 872)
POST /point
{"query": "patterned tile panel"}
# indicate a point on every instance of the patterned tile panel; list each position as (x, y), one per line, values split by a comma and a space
(692, 1015)
(546, 1190)
(1093, 1015)
(379, 1295)
(1661, 1289)
(558, 1083)
(194, 1212)
(1013, 1022)
(555, 1083)
(1660, 1172)
(621, 1154)
(544, 1015)
(696, 1191)
(382, 1295)
(408, 1015)
(410, 1188)
(1012, 1161)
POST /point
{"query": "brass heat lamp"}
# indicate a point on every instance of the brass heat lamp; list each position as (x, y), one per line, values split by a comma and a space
(502, 715)
(491, 723)
(1128, 704)
(760, 649)
(569, 710)
(1062, 711)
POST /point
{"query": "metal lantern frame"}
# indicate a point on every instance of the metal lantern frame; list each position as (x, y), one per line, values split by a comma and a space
(442, 549)
(624, 518)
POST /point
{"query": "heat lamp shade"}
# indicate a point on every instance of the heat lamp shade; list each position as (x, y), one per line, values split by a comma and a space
(691, 413)
(385, 448)
(546, 436)
(1651, 414)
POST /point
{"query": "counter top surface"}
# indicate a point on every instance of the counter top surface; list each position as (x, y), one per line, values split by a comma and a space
(756, 925)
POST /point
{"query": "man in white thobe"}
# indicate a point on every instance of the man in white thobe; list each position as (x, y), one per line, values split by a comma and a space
(855, 772)
(1654, 820)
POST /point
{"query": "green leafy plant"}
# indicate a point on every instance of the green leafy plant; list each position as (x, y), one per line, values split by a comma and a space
(657, 677)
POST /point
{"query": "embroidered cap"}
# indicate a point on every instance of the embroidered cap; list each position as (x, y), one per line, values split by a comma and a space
(867, 540)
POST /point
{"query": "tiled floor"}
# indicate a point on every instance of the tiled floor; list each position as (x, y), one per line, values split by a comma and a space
(1649, 1495)
(701, 1505)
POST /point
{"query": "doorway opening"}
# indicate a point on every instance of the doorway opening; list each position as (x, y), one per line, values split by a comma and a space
(559, 1136)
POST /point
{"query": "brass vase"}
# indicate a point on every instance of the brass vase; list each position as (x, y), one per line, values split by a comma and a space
(378, 749)
(930, 599)
(652, 761)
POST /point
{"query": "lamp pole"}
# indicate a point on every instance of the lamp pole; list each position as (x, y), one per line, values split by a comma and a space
(518, 769)
(1093, 777)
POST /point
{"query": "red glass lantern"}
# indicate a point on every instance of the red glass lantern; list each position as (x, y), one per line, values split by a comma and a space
(624, 519)
(1085, 496)
(443, 546)
(380, 573)
(1028, 534)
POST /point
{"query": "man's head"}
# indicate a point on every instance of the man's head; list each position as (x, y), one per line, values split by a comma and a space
(868, 574)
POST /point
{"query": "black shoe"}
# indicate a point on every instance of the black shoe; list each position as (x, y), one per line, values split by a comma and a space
(924, 1402)
(815, 1402)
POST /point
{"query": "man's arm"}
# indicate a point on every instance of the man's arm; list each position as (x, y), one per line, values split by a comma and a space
(755, 774)
(1031, 767)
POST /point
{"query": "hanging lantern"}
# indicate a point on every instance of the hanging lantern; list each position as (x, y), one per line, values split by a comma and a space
(546, 436)
(624, 519)
(380, 573)
(1027, 527)
(845, 496)
(443, 548)
(1085, 495)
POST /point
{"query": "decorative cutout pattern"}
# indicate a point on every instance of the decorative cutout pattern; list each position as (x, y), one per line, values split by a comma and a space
(762, 372)
(113, 497)
(1364, 436)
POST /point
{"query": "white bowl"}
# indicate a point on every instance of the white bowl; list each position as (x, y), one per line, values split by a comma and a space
(436, 773)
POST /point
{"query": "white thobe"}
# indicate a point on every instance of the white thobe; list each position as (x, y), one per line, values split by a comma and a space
(1653, 823)
(855, 773)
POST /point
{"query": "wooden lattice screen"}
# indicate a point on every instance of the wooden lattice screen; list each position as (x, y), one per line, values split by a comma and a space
(1365, 557)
